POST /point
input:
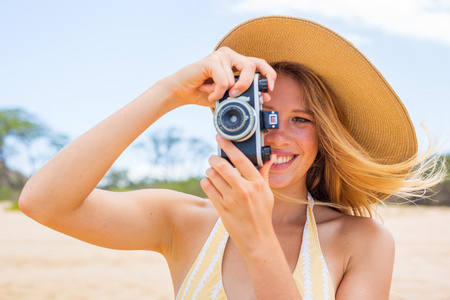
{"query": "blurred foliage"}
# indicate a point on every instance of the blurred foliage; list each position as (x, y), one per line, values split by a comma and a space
(14, 206)
(118, 181)
(11, 183)
(189, 186)
(21, 132)
(171, 152)
(165, 150)
(17, 123)
(439, 195)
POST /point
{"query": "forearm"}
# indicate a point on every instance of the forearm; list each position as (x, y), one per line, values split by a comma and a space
(270, 272)
(77, 169)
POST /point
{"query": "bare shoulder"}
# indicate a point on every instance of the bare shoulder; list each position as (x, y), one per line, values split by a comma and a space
(357, 232)
(360, 252)
(367, 234)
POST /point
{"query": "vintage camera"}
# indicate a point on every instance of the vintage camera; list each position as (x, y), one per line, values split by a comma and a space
(243, 121)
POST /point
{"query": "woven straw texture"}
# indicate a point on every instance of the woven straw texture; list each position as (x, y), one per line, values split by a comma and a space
(378, 120)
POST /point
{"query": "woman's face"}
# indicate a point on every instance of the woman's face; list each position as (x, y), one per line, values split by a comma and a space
(295, 142)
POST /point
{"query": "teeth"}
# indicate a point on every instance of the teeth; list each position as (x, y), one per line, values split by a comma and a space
(282, 160)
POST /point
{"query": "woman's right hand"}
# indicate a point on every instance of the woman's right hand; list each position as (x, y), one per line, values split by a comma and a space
(207, 80)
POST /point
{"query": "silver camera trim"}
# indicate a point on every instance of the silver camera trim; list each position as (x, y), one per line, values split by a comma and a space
(255, 113)
(250, 130)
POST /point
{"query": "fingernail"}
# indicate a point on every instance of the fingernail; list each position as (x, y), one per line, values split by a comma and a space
(220, 139)
(271, 85)
(234, 93)
(273, 157)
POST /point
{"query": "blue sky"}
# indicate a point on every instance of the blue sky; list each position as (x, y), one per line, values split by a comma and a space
(73, 63)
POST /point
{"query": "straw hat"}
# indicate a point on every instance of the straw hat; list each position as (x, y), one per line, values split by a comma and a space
(378, 121)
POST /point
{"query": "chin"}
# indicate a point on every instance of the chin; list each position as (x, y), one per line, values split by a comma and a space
(281, 182)
(282, 179)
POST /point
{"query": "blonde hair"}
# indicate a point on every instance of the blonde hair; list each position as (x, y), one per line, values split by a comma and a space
(343, 174)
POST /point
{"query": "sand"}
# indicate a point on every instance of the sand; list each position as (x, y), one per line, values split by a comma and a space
(39, 263)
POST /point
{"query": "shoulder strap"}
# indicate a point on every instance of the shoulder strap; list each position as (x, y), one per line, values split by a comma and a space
(311, 273)
(204, 277)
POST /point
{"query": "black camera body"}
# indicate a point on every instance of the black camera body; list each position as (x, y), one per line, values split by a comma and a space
(243, 121)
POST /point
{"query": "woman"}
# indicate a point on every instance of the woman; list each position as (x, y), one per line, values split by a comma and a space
(344, 138)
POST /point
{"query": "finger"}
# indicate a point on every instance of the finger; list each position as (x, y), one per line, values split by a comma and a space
(230, 175)
(221, 84)
(226, 57)
(228, 69)
(213, 69)
(266, 97)
(208, 88)
(264, 170)
(233, 61)
(239, 160)
(266, 70)
(247, 72)
(216, 178)
(211, 192)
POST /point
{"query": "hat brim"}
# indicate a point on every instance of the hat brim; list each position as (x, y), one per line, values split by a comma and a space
(378, 120)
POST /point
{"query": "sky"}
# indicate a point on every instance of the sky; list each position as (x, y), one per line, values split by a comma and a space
(73, 63)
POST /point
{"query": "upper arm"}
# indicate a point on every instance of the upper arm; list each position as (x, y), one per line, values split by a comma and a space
(369, 271)
(136, 220)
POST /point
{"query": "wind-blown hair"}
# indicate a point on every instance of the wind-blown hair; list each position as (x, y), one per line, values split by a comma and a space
(343, 174)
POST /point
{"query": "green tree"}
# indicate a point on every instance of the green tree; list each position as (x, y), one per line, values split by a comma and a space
(116, 179)
(175, 154)
(19, 128)
(19, 131)
(18, 124)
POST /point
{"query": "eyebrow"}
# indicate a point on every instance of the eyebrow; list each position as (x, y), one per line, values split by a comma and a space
(298, 111)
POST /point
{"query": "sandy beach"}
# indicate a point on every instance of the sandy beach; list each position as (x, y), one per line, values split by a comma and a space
(38, 263)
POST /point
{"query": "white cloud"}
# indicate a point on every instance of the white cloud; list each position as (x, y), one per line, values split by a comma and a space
(420, 19)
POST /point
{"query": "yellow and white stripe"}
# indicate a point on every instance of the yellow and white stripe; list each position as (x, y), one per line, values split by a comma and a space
(204, 280)
(205, 274)
(311, 273)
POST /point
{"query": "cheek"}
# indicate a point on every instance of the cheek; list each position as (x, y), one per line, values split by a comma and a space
(308, 140)
(310, 148)
(314, 138)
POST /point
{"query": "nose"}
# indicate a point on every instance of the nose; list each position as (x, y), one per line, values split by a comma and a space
(277, 138)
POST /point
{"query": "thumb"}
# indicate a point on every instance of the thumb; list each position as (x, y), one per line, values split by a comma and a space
(264, 170)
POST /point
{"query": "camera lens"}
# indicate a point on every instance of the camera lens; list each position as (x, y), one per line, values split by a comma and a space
(233, 118)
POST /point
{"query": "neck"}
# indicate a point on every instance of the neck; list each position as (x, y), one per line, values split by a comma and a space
(289, 207)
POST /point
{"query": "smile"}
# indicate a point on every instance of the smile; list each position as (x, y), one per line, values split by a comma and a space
(283, 159)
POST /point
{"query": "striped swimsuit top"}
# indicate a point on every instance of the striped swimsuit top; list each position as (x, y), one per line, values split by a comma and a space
(204, 280)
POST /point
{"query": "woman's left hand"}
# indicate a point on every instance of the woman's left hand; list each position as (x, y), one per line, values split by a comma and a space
(242, 197)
